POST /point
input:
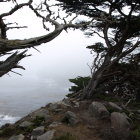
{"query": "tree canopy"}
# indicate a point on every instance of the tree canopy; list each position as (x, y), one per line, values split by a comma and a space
(116, 55)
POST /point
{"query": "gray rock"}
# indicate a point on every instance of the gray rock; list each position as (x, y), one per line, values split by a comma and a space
(37, 132)
(54, 124)
(120, 125)
(47, 136)
(115, 106)
(70, 118)
(41, 113)
(53, 106)
(18, 137)
(98, 110)
(76, 104)
(25, 124)
(58, 105)
(58, 110)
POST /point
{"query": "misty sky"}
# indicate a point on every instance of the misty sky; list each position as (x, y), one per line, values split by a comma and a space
(63, 58)
(46, 73)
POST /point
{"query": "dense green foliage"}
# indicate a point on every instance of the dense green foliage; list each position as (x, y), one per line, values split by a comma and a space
(38, 120)
(79, 83)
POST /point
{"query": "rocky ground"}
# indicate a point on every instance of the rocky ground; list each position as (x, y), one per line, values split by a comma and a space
(70, 119)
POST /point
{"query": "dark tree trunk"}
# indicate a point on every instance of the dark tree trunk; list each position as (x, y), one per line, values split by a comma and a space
(97, 77)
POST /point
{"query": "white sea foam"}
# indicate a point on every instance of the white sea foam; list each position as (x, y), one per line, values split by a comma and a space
(8, 119)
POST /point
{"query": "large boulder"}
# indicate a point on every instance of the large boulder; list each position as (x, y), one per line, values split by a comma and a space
(70, 118)
(47, 136)
(18, 137)
(37, 132)
(120, 125)
(41, 113)
(98, 110)
(25, 124)
(58, 105)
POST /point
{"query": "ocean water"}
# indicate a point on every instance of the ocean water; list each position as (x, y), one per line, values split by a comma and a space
(8, 119)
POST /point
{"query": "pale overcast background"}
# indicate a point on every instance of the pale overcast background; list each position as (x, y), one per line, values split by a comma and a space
(46, 76)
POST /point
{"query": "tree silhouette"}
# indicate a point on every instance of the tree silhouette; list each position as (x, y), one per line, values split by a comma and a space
(43, 11)
(117, 23)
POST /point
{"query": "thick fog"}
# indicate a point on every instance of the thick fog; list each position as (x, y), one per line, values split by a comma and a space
(46, 76)
(64, 58)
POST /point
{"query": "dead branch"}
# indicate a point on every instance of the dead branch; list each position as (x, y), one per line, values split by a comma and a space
(16, 27)
(16, 8)
(48, 16)
(12, 62)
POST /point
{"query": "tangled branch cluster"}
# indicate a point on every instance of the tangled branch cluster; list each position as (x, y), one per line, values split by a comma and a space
(44, 11)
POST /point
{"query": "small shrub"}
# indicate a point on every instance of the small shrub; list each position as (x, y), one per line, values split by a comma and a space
(65, 120)
(70, 94)
(29, 129)
(38, 120)
(9, 131)
(79, 83)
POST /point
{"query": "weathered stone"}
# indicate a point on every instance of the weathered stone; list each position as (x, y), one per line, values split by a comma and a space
(54, 124)
(115, 106)
(129, 119)
(120, 125)
(41, 113)
(47, 136)
(70, 118)
(37, 132)
(58, 110)
(18, 137)
(98, 110)
(25, 124)
(53, 106)
(76, 104)
(58, 105)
